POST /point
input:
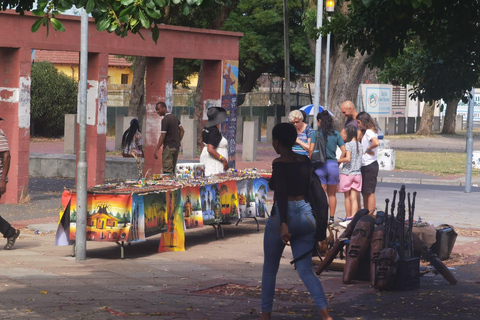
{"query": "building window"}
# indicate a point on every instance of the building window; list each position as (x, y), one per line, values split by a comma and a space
(124, 79)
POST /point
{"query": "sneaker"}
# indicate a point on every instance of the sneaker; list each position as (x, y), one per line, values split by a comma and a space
(11, 240)
(345, 223)
(331, 221)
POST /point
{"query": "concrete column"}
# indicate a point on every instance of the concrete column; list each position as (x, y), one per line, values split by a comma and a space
(158, 87)
(239, 137)
(271, 122)
(436, 123)
(284, 119)
(258, 127)
(70, 134)
(411, 125)
(96, 117)
(249, 153)
(418, 121)
(15, 82)
(392, 125)
(382, 123)
(189, 141)
(401, 125)
(458, 123)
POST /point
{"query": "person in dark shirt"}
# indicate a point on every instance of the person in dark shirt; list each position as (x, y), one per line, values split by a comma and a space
(292, 221)
(170, 137)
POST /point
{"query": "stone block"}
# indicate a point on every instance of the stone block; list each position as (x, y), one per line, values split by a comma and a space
(189, 141)
(401, 125)
(250, 129)
(70, 134)
(240, 121)
(411, 125)
(271, 122)
(436, 123)
(258, 120)
(392, 126)
(382, 123)
(458, 123)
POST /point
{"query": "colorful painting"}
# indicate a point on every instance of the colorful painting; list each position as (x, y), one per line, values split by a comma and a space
(174, 238)
(192, 207)
(155, 208)
(108, 217)
(230, 77)
(246, 199)
(260, 188)
(210, 201)
(137, 232)
(228, 201)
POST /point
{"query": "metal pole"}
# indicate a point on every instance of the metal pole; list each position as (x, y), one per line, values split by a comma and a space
(287, 57)
(327, 68)
(318, 65)
(471, 106)
(81, 228)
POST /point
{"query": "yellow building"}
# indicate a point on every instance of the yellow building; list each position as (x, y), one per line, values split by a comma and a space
(119, 69)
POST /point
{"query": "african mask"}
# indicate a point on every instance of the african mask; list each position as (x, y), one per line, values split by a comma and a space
(376, 247)
(386, 269)
(359, 243)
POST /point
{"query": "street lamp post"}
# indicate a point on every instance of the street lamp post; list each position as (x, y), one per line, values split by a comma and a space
(330, 7)
(318, 65)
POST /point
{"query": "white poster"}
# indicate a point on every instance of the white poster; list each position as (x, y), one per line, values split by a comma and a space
(378, 100)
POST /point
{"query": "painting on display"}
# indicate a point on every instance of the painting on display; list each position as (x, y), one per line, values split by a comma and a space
(108, 217)
(228, 201)
(155, 208)
(174, 238)
(229, 103)
(192, 207)
(210, 201)
(137, 232)
(63, 229)
(260, 189)
(246, 199)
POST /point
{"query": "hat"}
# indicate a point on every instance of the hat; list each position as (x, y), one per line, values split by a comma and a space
(1, 119)
(215, 115)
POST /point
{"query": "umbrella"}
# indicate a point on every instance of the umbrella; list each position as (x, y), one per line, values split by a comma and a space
(309, 110)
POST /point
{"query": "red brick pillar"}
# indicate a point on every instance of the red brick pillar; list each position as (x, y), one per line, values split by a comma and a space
(15, 65)
(96, 117)
(212, 81)
(159, 87)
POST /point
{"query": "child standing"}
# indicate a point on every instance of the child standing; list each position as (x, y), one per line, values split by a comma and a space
(351, 176)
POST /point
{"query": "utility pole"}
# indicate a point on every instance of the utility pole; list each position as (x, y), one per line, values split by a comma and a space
(318, 65)
(468, 174)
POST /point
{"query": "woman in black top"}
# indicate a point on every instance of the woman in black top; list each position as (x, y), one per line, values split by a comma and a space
(215, 153)
(292, 221)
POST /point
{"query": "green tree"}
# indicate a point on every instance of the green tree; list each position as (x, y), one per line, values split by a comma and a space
(447, 32)
(53, 94)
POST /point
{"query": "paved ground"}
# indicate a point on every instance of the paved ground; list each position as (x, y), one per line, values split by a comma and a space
(220, 279)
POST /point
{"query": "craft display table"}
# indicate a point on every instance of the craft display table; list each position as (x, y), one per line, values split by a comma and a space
(126, 213)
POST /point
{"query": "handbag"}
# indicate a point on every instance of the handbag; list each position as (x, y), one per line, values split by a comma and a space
(319, 155)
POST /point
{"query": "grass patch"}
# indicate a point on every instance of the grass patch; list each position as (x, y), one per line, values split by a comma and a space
(436, 163)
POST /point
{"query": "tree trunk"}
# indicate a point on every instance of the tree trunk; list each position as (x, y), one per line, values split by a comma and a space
(198, 109)
(450, 114)
(427, 119)
(346, 75)
(137, 95)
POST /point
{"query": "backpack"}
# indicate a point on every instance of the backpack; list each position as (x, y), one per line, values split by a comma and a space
(319, 155)
(318, 201)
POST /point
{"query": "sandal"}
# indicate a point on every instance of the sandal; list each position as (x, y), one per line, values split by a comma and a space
(11, 240)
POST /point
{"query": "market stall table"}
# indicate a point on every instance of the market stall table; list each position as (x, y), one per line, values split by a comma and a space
(131, 212)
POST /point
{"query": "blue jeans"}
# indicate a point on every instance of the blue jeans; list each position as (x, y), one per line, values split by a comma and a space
(301, 225)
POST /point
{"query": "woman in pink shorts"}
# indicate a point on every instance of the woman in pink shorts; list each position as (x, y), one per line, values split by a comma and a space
(351, 176)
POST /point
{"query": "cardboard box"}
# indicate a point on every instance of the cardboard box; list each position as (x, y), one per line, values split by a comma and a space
(386, 159)
(476, 159)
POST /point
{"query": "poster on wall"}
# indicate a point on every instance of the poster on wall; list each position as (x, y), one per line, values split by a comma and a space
(192, 207)
(378, 100)
(155, 208)
(229, 102)
(108, 217)
(174, 238)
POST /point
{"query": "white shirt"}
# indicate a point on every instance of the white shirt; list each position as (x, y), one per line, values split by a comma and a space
(366, 143)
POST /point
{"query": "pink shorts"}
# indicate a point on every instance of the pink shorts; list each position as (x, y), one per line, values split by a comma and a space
(348, 182)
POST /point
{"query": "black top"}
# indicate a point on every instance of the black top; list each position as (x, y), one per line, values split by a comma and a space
(211, 136)
(289, 179)
(170, 126)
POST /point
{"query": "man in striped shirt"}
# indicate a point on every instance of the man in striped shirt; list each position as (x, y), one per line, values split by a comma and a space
(5, 228)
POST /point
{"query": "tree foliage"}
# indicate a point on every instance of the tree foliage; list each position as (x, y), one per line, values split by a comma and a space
(433, 45)
(261, 47)
(53, 94)
(118, 16)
